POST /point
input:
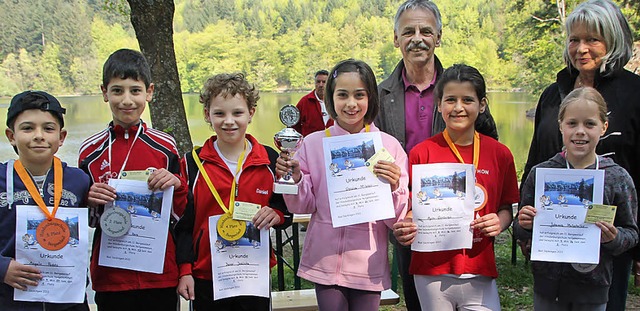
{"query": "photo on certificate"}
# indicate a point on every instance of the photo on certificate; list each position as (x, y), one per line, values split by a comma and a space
(565, 191)
(140, 204)
(445, 188)
(356, 195)
(562, 198)
(442, 204)
(350, 155)
(250, 238)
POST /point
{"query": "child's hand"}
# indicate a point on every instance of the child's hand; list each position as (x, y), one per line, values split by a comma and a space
(162, 179)
(525, 217)
(266, 217)
(286, 164)
(488, 224)
(19, 276)
(405, 231)
(186, 287)
(100, 194)
(609, 231)
(389, 171)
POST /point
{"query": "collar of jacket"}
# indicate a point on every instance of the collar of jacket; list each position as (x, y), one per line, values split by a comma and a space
(397, 83)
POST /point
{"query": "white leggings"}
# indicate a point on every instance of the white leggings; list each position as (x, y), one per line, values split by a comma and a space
(444, 293)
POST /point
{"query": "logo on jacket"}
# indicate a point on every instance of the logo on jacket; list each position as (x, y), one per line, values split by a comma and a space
(483, 172)
(104, 164)
(260, 191)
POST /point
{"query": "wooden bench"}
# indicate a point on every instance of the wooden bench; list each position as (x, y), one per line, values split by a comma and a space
(305, 300)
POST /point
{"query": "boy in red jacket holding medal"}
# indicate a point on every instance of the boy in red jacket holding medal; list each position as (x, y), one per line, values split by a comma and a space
(231, 167)
(127, 146)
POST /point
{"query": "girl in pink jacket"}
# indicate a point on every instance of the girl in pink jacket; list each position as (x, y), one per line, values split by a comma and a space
(348, 264)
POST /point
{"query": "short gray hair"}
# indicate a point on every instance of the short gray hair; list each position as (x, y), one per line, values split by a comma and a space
(418, 4)
(605, 18)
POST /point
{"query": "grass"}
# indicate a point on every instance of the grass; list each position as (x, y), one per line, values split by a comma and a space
(515, 283)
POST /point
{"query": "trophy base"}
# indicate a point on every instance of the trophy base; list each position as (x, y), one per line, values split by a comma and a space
(285, 188)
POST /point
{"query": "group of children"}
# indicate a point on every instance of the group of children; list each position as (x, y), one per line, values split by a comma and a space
(349, 264)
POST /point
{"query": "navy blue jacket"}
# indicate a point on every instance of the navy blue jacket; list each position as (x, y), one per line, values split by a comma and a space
(74, 194)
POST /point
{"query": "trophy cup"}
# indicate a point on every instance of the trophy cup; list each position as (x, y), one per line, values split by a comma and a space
(287, 140)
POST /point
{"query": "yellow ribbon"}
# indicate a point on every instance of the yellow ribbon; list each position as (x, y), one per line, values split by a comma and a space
(213, 188)
(367, 127)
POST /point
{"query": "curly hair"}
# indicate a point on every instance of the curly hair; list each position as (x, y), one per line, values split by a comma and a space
(229, 84)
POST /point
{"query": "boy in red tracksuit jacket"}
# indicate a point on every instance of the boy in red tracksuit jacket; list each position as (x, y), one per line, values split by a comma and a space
(127, 144)
(230, 159)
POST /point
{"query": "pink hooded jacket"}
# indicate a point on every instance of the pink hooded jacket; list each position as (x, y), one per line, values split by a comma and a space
(353, 256)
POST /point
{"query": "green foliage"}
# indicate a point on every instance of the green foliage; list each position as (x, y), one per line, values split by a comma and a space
(49, 71)
(107, 39)
(60, 45)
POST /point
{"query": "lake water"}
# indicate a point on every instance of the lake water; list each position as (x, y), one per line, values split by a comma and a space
(89, 114)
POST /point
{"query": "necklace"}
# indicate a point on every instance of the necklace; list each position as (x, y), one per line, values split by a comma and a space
(581, 83)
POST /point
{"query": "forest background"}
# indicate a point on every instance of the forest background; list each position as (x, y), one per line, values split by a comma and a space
(60, 46)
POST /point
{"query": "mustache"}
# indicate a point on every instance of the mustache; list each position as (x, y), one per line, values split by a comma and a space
(419, 45)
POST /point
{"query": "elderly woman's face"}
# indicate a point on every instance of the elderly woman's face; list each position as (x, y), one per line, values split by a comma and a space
(586, 49)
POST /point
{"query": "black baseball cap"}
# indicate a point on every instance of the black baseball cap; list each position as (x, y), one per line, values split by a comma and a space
(35, 100)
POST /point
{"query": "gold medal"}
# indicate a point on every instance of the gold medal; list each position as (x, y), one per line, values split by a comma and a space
(229, 228)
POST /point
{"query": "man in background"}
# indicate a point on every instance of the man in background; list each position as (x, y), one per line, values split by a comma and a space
(313, 114)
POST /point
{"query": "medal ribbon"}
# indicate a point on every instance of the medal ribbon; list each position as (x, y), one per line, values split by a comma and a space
(564, 154)
(476, 148)
(212, 188)
(33, 191)
(126, 159)
(367, 128)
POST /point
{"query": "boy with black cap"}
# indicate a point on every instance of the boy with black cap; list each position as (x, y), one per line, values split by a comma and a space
(35, 130)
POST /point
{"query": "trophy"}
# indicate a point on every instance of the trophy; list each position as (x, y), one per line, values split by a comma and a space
(287, 140)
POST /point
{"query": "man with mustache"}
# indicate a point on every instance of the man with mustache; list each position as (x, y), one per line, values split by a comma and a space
(407, 109)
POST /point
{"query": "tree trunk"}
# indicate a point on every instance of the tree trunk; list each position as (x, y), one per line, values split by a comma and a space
(153, 24)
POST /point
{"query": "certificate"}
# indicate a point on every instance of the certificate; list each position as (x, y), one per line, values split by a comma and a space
(356, 195)
(442, 204)
(560, 233)
(64, 271)
(143, 246)
(239, 267)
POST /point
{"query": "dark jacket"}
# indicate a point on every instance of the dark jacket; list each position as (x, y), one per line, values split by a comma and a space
(621, 91)
(74, 194)
(561, 281)
(391, 118)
